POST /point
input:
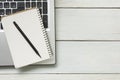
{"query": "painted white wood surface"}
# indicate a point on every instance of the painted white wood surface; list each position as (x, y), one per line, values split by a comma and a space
(79, 57)
(88, 3)
(61, 77)
(88, 24)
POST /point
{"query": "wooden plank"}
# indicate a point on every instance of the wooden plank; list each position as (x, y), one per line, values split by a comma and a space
(88, 24)
(61, 77)
(79, 57)
(87, 3)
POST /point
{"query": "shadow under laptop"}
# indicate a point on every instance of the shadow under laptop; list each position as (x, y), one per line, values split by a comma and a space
(36, 67)
(27, 69)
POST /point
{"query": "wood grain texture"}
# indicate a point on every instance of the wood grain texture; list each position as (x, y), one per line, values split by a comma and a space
(88, 24)
(87, 3)
(79, 57)
(61, 77)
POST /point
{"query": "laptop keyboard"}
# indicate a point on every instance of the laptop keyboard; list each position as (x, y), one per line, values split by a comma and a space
(8, 7)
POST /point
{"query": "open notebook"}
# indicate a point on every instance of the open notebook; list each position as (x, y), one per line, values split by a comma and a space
(27, 38)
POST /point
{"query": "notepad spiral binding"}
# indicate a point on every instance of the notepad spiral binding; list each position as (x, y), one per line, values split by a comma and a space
(45, 35)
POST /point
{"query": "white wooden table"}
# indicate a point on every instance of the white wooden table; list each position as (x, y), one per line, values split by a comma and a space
(88, 44)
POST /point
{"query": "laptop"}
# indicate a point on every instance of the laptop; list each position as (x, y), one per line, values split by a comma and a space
(46, 8)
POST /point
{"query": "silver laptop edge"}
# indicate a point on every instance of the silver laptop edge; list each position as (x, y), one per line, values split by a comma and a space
(5, 57)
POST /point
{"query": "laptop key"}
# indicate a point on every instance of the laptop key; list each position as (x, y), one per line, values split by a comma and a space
(9, 0)
(1, 11)
(45, 24)
(2, 0)
(45, 0)
(13, 5)
(20, 8)
(20, 4)
(45, 18)
(33, 4)
(8, 11)
(44, 7)
(6, 5)
(14, 10)
(40, 11)
(1, 5)
(27, 4)
(45, 21)
(19, 0)
(38, 4)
